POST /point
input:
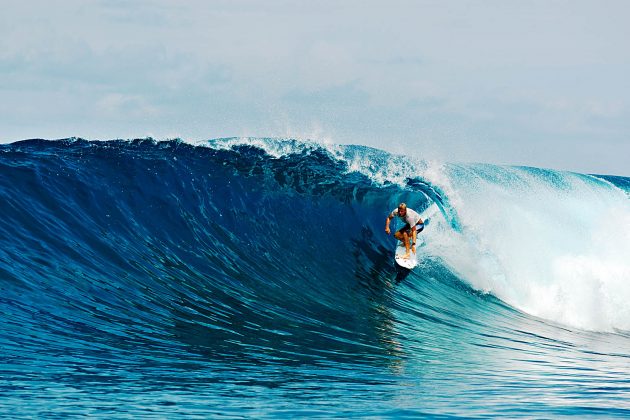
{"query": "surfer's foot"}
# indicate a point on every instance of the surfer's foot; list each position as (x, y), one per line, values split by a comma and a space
(406, 256)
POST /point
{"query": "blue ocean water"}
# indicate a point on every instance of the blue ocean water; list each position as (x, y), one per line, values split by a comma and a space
(253, 278)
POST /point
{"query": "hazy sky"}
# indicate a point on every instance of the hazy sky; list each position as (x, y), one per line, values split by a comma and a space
(541, 83)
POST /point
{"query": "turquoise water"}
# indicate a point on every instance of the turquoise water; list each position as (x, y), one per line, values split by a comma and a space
(253, 277)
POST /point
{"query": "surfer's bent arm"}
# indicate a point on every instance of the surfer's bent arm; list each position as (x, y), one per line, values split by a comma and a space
(389, 218)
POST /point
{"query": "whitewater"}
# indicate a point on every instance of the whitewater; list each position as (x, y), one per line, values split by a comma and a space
(252, 277)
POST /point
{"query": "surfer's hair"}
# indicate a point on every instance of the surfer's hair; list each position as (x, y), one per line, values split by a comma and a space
(402, 206)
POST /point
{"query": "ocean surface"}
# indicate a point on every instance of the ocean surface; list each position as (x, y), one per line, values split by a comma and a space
(253, 278)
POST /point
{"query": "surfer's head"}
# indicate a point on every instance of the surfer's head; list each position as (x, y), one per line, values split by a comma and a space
(402, 209)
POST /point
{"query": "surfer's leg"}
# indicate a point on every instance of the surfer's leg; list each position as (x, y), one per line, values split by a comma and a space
(406, 241)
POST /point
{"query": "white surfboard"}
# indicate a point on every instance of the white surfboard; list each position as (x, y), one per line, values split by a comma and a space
(408, 263)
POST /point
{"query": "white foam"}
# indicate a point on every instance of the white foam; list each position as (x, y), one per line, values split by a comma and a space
(555, 245)
(275, 147)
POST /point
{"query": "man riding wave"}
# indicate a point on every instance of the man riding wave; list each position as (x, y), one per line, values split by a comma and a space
(413, 225)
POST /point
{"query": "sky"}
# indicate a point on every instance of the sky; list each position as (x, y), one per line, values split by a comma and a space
(528, 82)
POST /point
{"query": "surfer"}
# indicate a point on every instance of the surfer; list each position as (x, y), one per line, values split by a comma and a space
(413, 224)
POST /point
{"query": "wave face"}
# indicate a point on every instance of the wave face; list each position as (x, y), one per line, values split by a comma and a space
(251, 277)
